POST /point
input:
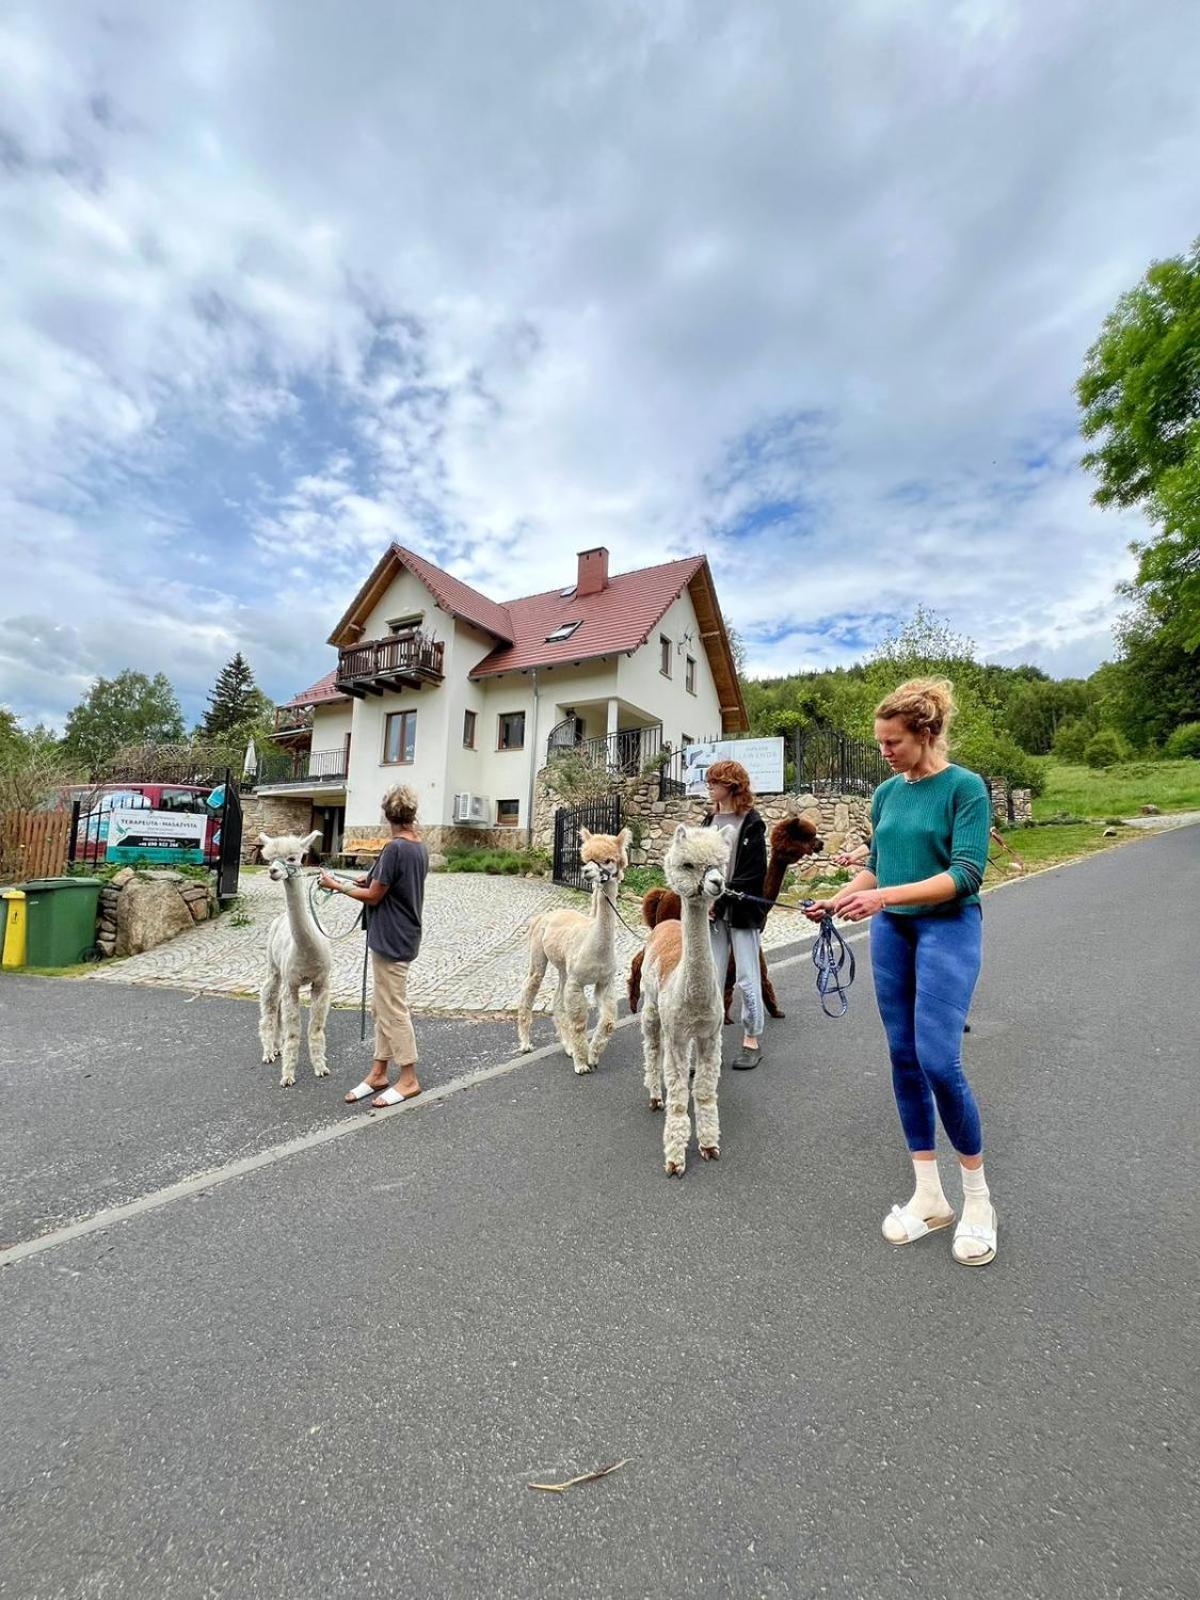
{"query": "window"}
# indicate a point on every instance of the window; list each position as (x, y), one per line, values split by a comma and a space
(512, 731)
(664, 660)
(691, 675)
(406, 625)
(564, 632)
(507, 813)
(399, 738)
(469, 730)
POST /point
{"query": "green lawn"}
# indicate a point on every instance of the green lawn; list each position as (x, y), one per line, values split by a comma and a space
(1119, 791)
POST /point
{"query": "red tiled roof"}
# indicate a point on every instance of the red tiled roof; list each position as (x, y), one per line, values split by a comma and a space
(618, 619)
(457, 597)
(324, 689)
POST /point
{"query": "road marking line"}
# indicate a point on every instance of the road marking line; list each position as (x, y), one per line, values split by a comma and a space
(358, 1123)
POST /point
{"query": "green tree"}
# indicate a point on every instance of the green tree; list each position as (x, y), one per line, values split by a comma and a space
(128, 709)
(236, 705)
(1140, 395)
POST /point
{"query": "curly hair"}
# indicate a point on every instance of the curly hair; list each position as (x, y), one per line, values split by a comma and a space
(400, 806)
(923, 705)
(734, 774)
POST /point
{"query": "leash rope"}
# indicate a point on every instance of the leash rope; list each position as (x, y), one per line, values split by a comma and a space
(831, 956)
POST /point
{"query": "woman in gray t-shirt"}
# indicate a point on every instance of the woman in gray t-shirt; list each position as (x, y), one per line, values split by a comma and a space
(394, 889)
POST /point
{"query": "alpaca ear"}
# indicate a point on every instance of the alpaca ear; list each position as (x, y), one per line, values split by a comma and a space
(680, 833)
(625, 839)
(263, 842)
(584, 835)
(312, 838)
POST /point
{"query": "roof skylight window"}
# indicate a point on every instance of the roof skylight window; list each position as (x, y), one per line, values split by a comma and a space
(563, 632)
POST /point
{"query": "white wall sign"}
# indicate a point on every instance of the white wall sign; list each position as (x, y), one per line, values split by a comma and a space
(762, 759)
(156, 836)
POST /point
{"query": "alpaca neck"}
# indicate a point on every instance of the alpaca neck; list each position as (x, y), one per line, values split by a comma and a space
(604, 912)
(306, 936)
(699, 974)
(777, 868)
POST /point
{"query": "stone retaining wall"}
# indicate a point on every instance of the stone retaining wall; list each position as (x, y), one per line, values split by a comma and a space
(440, 839)
(274, 815)
(139, 910)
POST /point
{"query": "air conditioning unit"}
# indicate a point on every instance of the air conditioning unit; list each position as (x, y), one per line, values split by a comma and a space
(472, 808)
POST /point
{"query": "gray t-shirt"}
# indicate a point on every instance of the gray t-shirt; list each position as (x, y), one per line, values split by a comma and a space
(394, 929)
(730, 824)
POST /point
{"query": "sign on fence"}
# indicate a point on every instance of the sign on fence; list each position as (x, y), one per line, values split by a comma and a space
(762, 759)
(156, 836)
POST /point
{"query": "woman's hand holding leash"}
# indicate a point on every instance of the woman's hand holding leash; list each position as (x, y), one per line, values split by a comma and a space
(854, 907)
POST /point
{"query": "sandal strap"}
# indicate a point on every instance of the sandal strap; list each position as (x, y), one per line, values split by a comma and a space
(978, 1230)
(914, 1227)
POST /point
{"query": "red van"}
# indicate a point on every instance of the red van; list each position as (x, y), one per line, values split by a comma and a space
(98, 801)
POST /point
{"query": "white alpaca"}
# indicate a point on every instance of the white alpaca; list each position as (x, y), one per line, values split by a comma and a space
(297, 953)
(582, 949)
(683, 1009)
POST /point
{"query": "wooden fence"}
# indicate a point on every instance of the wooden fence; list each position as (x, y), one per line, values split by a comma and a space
(33, 844)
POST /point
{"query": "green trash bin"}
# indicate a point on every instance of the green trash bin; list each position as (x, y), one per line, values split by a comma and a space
(61, 926)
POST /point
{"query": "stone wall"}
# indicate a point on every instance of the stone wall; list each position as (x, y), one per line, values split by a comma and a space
(441, 839)
(139, 910)
(274, 815)
(842, 821)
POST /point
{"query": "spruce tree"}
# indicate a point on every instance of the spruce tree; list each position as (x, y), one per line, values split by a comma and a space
(235, 700)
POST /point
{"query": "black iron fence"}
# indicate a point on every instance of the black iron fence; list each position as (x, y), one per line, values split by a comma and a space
(627, 752)
(598, 816)
(203, 804)
(818, 761)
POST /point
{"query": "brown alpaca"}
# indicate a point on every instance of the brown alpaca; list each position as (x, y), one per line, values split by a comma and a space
(791, 840)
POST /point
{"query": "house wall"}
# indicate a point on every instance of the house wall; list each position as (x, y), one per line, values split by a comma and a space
(641, 682)
(331, 724)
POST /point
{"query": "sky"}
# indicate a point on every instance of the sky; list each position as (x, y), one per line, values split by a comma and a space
(803, 287)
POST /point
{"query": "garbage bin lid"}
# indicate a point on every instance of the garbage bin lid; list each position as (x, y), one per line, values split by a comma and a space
(41, 884)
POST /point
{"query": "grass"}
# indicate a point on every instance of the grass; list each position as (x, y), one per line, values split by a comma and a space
(1119, 791)
(504, 863)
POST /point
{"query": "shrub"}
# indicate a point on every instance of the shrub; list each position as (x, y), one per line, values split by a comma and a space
(1105, 749)
(1071, 740)
(1185, 741)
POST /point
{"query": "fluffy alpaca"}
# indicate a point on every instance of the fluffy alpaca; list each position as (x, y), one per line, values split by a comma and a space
(791, 840)
(297, 953)
(681, 1020)
(582, 949)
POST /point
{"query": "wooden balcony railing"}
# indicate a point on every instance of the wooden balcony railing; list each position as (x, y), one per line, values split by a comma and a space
(377, 665)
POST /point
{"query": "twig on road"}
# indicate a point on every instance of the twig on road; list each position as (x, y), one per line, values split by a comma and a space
(584, 1477)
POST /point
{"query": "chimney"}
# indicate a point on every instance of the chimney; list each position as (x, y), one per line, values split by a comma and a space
(593, 571)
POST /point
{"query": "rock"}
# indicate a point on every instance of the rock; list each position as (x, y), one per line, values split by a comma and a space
(120, 879)
(198, 909)
(437, 861)
(1150, 811)
(150, 913)
(841, 817)
(195, 891)
(1110, 833)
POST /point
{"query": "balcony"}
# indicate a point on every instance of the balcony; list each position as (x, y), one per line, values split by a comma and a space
(407, 661)
(627, 752)
(292, 719)
(304, 769)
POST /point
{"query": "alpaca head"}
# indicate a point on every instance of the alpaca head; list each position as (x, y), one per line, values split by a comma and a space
(794, 838)
(286, 852)
(605, 857)
(695, 864)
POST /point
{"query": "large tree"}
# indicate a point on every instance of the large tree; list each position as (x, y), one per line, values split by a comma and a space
(128, 709)
(236, 705)
(1140, 394)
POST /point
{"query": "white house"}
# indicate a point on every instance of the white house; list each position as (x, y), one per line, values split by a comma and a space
(462, 696)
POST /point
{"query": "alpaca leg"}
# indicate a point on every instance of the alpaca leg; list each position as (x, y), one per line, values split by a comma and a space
(634, 988)
(575, 1011)
(730, 980)
(652, 1054)
(318, 1010)
(268, 1014)
(677, 1129)
(606, 1020)
(704, 1097)
(537, 971)
(562, 1026)
(768, 988)
(290, 1010)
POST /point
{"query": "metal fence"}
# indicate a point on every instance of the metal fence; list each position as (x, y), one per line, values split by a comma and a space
(818, 761)
(625, 753)
(184, 790)
(598, 816)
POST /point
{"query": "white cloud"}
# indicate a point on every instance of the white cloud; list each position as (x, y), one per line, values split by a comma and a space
(508, 281)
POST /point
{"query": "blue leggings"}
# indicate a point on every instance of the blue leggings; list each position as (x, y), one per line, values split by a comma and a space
(925, 969)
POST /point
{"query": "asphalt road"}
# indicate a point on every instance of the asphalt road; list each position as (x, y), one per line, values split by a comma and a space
(337, 1374)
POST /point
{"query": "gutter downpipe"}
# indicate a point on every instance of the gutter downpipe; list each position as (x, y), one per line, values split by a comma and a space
(533, 750)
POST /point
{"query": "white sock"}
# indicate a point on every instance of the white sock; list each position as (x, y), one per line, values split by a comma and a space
(928, 1199)
(977, 1208)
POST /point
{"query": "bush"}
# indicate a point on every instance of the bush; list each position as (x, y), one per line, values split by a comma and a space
(1105, 749)
(1184, 742)
(998, 755)
(499, 863)
(1071, 740)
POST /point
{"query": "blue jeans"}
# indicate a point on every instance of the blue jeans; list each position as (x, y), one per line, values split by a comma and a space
(925, 970)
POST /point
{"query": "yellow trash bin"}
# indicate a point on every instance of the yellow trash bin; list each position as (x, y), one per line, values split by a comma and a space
(14, 928)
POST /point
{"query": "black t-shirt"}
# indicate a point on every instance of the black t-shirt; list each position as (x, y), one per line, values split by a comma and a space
(394, 930)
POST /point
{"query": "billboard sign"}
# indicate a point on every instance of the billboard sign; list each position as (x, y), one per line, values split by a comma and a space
(164, 836)
(762, 759)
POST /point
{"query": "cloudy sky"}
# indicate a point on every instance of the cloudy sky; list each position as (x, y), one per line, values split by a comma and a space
(803, 285)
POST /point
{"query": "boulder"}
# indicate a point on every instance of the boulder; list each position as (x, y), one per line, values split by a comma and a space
(1150, 811)
(437, 861)
(151, 911)
(120, 879)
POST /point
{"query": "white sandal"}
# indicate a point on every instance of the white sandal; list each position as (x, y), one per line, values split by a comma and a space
(362, 1091)
(985, 1235)
(914, 1227)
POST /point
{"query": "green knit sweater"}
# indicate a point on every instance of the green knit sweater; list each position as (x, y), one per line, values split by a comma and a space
(939, 824)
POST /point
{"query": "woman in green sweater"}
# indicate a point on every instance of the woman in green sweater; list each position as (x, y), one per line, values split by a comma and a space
(929, 849)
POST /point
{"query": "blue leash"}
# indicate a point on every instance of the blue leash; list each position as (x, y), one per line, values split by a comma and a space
(831, 956)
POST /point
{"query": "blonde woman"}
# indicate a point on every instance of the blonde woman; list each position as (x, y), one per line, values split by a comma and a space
(929, 848)
(395, 891)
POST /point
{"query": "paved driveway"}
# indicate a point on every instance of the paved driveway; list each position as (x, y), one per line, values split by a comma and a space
(473, 955)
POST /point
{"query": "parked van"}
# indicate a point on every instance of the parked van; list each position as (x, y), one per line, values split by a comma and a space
(98, 801)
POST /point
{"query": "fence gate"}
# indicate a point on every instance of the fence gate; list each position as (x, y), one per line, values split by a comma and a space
(229, 865)
(599, 816)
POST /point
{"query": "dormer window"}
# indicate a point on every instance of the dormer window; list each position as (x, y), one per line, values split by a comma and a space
(564, 632)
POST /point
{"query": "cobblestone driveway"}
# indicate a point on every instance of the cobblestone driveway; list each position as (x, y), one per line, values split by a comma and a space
(472, 955)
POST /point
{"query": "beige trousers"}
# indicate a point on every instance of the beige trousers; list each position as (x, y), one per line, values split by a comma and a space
(394, 1037)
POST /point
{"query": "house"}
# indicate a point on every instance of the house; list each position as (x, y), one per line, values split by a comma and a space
(465, 697)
